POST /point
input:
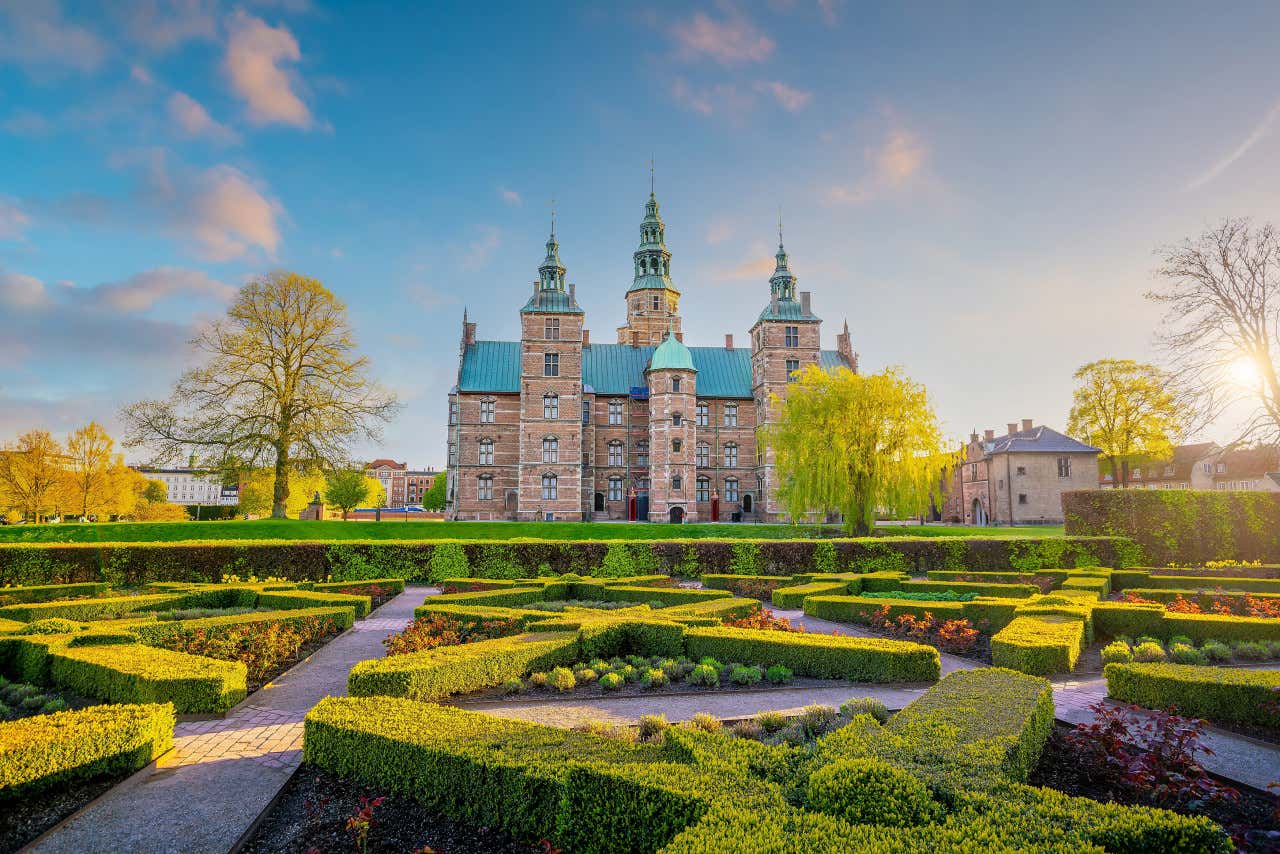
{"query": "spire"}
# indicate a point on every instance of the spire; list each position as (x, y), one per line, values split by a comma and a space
(652, 260)
(551, 273)
(782, 284)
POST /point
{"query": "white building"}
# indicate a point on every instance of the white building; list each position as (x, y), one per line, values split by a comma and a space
(194, 486)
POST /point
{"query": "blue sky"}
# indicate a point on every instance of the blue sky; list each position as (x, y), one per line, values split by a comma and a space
(978, 189)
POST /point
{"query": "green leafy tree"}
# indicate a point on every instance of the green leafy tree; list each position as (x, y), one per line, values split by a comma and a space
(857, 443)
(1127, 410)
(346, 490)
(280, 387)
(434, 498)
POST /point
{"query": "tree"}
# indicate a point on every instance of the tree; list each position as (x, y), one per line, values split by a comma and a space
(91, 481)
(281, 386)
(433, 498)
(258, 489)
(346, 490)
(32, 479)
(1126, 410)
(857, 443)
(1221, 330)
(154, 491)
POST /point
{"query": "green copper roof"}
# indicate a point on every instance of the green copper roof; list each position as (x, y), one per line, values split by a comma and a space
(787, 309)
(650, 281)
(494, 367)
(671, 355)
(549, 301)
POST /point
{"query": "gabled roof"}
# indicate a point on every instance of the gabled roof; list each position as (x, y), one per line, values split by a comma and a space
(1039, 440)
(494, 367)
(1249, 462)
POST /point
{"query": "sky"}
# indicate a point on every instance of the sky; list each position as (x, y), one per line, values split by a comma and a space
(979, 189)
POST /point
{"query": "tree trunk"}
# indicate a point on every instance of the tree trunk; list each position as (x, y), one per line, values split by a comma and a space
(1124, 474)
(1115, 475)
(280, 492)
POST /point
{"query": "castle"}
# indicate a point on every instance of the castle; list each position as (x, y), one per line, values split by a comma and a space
(554, 427)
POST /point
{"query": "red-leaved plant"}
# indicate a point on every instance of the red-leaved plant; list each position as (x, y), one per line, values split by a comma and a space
(436, 630)
(362, 821)
(958, 636)
(764, 619)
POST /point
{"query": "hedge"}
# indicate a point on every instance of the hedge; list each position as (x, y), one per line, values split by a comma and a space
(821, 656)
(859, 609)
(1038, 645)
(1201, 596)
(792, 598)
(1056, 575)
(719, 609)
(46, 592)
(136, 673)
(91, 609)
(437, 673)
(1004, 591)
(1225, 695)
(50, 751)
(157, 632)
(288, 599)
(665, 595)
(140, 563)
(1134, 619)
(1180, 525)
(1209, 584)
(395, 586)
(508, 597)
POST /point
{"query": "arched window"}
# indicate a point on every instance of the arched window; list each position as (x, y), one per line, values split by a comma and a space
(486, 452)
(730, 455)
(550, 489)
(615, 489)
(550, 405)
(675, 384)
(616, 455)
(731, 489)
(484, 487)
(551, 450)
(703, 490)
(702, 455)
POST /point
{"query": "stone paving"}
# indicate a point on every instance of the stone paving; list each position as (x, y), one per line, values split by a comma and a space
(203, 795)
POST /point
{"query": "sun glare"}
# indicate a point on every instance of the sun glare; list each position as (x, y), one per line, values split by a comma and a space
(1244, 372)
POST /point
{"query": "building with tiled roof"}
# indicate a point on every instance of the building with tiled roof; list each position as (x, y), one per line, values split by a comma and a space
(554, 426)
(1203, 465)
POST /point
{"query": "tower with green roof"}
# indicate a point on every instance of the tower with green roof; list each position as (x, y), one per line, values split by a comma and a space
(652, 300)
(672, 381)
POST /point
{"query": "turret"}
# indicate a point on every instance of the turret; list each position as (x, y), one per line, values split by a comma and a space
(672, 401)
(652, 299)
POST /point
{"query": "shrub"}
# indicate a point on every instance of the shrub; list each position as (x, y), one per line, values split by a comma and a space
(704, 674)
(779, 674)
(562, 679)
(436, 630)
(143, 674)
(1117, 652)
(705, 722)
(512, 686)
(1038, 645)
(585, 675)
(815, 720)
(747, 728)
(1148, 651)
(448, 560)
(870, 791)
(617, 562)
(822, 656)
(612, 681)
(1181, 653)
(651, 727)
(50, 626)
(1216, 651)
(745, 676)
(261, 646)
(654, 677)
(1249, 651)
(771, 722)
(791, 598)
(1148, 639)
(865, 706)
(1225, 695)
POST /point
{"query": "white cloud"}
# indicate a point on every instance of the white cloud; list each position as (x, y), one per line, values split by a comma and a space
(1259, 132)
(890, 166)
(192, 120)
(18, 290)
(255, 53)
(142, 291)
(721, 98)
(481, 248)
(35, 35)
(163, 25)
(509, 196)
(729, 40)
(791, 98)
(13, 220)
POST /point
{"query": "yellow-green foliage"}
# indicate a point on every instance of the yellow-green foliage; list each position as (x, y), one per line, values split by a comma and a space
(1214, 693)
(308, 599)
(871, 791)
(48, 592)
(793, 597)
(390, 585)
(45, 751)
(822, 656)
(156, 632)
(719, 609)
(90, 609)
(137, 673)
(1039, 645)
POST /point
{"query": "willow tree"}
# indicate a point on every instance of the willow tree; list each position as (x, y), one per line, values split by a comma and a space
(856, 444)
(281, 386)
(1126, 409)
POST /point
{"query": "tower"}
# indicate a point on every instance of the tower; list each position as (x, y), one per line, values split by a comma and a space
(785, 338)
(652, 299)
(550, 425)
(672, 397)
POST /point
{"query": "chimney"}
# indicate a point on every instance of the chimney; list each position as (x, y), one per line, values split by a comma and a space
(989, 435)
(536, 285)
(469, 334)
(1027, 424)
(573, 291)
(1013, 428)
(728, 341)
(635, 338)
(586, 338)
(804, 301)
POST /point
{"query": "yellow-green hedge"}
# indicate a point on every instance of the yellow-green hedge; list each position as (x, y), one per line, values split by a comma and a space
(1039, 645)
(90, 609)
(142, 674)
(49, 751)
(287, 599)
(1219, 694)
(793, 597)
(48, 592)
(821, 656)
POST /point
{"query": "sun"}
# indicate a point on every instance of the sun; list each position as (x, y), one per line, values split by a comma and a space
(1244, 372)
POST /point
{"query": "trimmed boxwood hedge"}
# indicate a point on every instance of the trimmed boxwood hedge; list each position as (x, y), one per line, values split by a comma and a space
(858, 609)
(91, 609)
(286, 599)
(1003, 591)
(160, 630)
(137, 673)
(1220, 694)
(792, 598)
(47, 592)
(1039, 645)
(364, 587)
(49, 751)
(821, 656)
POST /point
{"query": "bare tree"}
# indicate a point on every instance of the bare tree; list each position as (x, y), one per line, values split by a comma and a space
(281, 387)
(1221, 331)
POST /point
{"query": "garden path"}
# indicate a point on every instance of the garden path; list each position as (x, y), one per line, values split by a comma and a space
(205, 794)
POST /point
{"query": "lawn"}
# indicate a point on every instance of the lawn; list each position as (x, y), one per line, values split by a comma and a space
(289, 529)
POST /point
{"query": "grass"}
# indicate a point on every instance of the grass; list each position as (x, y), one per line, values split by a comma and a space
(289, 529)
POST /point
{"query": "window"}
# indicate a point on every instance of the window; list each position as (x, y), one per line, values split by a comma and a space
(973, 471)
(793, 365)
(1222, 468)
(615, 412)
(702, 415)
(1208, 468)
(550, 490)
(731, 455)
(1168, 471)
(484, 487)
(550, 405)
(1022, 470)
(486, 452)
(642, 486)
(657, 303)
(702, 489)
(1064, 467)
(551, 328)
(486, 411)
(731, 415)
(586, 412)
(615, 453)
(1136, 474)
(551, 364)
(731, 489)
(642, 454)
(615, 489)
(551, 450)
(1022, 498)
(453, 455)
(676, 483)
(702, 455)
(793, 336)
(453, 412)
(675, 384)
(675, 419)
(676, 445)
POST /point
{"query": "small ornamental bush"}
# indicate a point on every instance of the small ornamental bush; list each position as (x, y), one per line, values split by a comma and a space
(1148, 639)
(771, 722)
(1250, 651)
(865, 706)
(512, 686)
(704, 674)
(651, 727)
(437, 630)
(539, 680)
(871, 791)
(561, 678)
(1117, 652)
(1216, 651)
(654, 677)
(710, 662)
(612, 681)
(1181, 639)
(585, 675)
(815, 720)
(745, 676)
(1182, 653)
(748, 728)
(1149, 651)
(705, 722)
(779, 674)
(51, 626)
